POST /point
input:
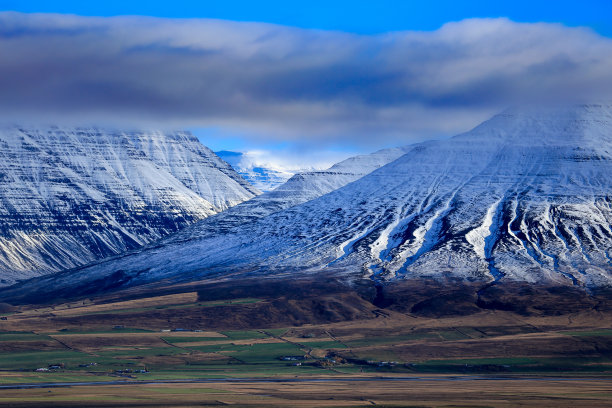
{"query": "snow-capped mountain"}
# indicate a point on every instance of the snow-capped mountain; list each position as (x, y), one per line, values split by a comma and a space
(526, 196)
(261, 176)
(70, 196)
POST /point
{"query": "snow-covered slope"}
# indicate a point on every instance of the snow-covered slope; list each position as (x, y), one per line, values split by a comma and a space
(525, 196)
(299, 189)
(70, 196)
(261, 176)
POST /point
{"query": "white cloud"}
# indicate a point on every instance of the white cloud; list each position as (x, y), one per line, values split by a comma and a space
(292, 161)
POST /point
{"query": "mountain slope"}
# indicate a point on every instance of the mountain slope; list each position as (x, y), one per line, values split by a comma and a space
(299, 189)
(70, 196)
(526, 196)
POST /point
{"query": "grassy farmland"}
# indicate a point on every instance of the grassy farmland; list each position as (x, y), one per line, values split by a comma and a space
(177, 338)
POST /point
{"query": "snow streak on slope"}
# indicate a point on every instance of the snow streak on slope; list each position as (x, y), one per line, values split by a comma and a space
(525, 196)
(478, 236)
(70, 196)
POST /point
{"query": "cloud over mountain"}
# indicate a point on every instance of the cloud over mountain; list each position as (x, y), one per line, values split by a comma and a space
(286, 82)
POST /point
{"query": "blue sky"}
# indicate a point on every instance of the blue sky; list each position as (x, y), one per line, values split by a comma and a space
(365, 17)
(329, 79)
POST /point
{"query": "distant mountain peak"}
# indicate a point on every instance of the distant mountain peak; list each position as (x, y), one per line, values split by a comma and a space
(264, 177)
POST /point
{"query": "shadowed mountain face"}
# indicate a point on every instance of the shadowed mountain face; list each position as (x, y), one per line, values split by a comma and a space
(524, 197)
(71, 196)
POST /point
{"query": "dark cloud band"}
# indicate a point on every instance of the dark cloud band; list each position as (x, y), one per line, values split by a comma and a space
(286, 82)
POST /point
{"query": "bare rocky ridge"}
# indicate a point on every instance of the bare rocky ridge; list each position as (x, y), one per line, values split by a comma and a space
(71, 196)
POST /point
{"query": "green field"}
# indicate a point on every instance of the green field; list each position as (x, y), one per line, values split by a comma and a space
(244, 334)
(36, 359)
(589, 333)
(22, 336)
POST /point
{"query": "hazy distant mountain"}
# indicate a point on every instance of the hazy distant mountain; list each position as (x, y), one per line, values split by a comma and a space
(263, 177)
(525, 196)
(70, 196)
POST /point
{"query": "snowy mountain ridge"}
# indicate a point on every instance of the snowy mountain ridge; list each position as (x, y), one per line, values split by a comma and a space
(524, 197)
(70, 196)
